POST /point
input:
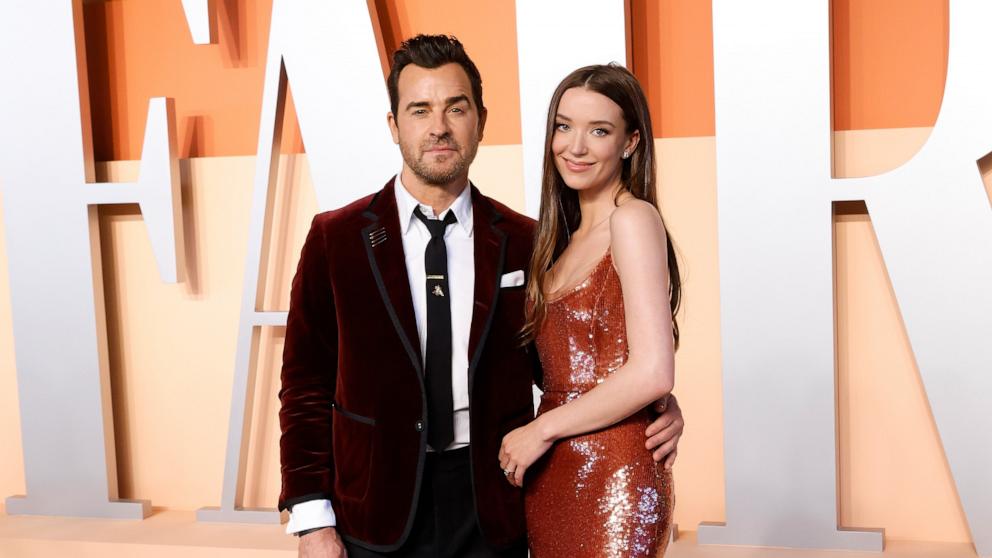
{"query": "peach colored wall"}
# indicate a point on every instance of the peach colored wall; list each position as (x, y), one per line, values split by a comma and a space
(172, 360)
(173, 346)
(888, 67)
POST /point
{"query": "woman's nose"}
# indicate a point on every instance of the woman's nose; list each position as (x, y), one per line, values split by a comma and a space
(578, 145)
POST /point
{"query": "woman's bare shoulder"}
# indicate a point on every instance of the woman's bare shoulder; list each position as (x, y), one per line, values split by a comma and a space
(635, 217)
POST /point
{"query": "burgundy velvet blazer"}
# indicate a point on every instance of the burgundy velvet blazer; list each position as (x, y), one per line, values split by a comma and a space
(354, 405)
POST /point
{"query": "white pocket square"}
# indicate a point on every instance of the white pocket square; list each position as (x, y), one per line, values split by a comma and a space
(512, 279)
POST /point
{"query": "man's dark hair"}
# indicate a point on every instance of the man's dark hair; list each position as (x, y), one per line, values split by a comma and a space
(432, 51)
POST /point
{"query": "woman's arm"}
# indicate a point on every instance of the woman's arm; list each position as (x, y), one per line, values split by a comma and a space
(640, 255)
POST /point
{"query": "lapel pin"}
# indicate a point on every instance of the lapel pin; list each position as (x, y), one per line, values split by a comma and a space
(377, 236)
(438, 291)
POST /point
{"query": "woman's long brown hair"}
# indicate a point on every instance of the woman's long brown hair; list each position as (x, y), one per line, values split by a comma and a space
(560, 214)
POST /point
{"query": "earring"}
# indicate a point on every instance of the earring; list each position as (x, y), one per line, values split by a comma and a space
(625, 154)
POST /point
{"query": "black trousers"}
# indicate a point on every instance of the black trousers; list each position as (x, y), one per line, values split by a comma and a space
(445, 524)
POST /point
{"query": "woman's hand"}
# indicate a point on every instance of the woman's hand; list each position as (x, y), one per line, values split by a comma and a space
(520, 449)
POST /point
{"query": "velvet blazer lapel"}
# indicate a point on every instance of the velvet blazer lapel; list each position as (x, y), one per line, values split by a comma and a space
(384, 247)
(490, 253)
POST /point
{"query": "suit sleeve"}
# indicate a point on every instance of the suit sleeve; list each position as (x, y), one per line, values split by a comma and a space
(309, 372)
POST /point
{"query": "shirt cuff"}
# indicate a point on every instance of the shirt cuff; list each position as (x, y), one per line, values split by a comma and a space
(309, 515)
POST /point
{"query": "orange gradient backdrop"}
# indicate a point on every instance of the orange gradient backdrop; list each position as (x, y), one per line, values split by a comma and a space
(172, 346)
(888, 66)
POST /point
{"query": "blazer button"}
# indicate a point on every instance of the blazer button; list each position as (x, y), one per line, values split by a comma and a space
(419, 426)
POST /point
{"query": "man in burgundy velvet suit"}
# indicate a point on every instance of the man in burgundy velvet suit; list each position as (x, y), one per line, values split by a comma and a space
(402, 368)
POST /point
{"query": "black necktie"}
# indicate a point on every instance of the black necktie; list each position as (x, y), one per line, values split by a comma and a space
(440, 405)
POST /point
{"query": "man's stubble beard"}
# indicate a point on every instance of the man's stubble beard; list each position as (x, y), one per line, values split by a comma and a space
(423, 170)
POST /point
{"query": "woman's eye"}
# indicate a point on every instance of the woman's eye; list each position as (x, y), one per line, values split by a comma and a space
(600, 132)
(561, 127)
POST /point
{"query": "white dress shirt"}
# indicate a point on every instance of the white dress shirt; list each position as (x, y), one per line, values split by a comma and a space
(461, 286)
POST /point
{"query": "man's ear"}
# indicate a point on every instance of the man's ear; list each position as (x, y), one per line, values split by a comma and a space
(483, 114)
(393, 129)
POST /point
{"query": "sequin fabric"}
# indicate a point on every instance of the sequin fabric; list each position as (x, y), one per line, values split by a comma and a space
(600, 494)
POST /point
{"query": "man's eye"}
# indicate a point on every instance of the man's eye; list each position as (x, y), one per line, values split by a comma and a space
(456, 109)
(419, 112)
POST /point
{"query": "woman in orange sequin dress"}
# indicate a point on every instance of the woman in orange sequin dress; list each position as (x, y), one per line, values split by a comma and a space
(603, 289)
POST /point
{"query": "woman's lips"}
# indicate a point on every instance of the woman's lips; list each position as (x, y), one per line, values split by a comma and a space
(575, 166)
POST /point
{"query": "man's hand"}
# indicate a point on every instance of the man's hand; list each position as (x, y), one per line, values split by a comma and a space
(325, 543)
(663, 434)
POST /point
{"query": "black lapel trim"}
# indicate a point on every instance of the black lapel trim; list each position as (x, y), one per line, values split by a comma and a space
(473, 364)
(492, 305)
(415, 360)
(384, 293)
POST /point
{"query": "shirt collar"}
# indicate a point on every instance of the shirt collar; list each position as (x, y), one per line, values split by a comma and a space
(406, 203)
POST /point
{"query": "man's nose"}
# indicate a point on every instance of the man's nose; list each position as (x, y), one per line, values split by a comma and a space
(439, 124)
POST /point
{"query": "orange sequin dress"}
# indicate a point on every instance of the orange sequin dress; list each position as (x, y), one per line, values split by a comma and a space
(599, 494)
